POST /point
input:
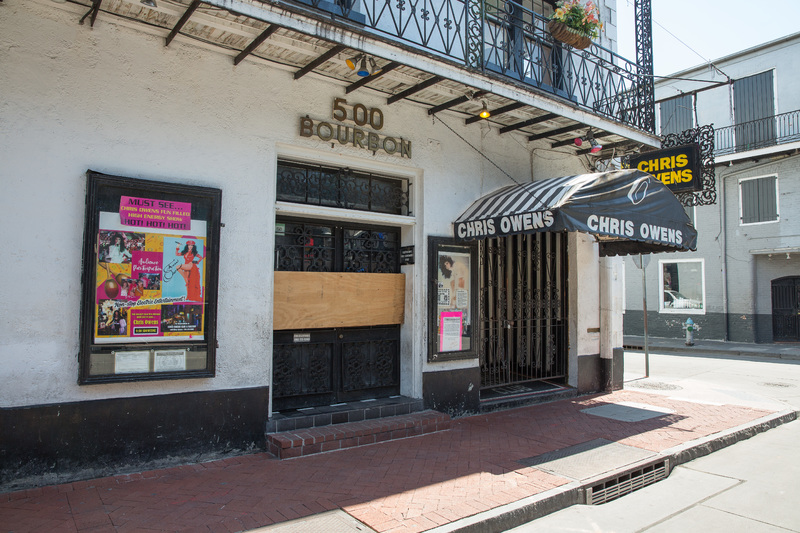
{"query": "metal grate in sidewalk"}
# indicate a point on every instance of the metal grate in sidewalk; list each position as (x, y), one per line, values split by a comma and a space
(626, 483)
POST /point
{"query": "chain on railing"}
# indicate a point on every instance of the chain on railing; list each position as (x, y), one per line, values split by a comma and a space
(755, 134)
(505, 38)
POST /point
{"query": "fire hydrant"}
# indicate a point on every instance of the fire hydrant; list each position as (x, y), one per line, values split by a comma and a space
(689, 327)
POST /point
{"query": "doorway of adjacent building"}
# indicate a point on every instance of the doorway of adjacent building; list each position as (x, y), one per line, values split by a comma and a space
(327, 366)
(786, 309)
(523, 341)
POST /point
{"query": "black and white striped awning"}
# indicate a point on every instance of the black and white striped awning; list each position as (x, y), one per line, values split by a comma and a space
(629, 211)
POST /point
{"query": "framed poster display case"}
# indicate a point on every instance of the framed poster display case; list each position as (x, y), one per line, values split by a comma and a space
(452, 299)
(149, 280)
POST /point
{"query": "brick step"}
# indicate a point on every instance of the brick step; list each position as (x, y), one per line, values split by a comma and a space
(342, 413)
(309, 441)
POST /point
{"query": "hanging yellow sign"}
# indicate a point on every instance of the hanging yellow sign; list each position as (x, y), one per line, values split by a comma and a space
(678, 168)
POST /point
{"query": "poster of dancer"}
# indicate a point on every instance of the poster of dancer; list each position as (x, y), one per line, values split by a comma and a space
(184, 267)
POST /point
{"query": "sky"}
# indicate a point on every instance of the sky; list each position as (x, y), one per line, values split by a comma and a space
(705, 30)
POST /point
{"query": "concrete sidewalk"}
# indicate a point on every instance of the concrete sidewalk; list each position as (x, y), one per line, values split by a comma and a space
(489, 472)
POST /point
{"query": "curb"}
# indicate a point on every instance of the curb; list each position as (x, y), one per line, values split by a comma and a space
(527, 509)
(767, 351)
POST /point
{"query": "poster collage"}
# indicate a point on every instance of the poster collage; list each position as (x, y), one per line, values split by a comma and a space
(150, 281)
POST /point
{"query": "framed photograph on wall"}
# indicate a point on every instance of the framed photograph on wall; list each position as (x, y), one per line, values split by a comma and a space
(452, 299)
(150, 271)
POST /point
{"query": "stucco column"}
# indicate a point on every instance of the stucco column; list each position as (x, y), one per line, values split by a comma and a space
(611, 287)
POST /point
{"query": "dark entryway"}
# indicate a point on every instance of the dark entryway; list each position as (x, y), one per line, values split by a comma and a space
(786, 309)
(523, 309)
(313, 367)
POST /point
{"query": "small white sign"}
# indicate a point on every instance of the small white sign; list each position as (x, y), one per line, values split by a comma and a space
(131, 362)
(169, 360)
(302, 337)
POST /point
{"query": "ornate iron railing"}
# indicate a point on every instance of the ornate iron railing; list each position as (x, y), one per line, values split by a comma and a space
(761, 133)
(503, 37)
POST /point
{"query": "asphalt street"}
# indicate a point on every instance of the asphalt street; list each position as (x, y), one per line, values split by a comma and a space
(750, 487)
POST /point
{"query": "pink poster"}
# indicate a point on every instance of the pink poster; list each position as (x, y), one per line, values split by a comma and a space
(451, 327)
(149, 213)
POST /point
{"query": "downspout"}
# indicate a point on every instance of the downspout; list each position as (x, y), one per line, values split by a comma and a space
(723, 235)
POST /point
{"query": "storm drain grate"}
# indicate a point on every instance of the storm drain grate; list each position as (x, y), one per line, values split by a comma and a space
(625, 484)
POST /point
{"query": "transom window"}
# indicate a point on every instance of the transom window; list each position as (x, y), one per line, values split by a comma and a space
(342, 188)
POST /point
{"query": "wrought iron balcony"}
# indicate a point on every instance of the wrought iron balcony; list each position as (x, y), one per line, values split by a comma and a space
(503, 38)
(761, 133)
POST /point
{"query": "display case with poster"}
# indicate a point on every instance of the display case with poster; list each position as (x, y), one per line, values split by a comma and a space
(150, 266)
(452, 308)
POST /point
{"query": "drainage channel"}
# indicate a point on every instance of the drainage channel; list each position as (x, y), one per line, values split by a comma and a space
(625, 483)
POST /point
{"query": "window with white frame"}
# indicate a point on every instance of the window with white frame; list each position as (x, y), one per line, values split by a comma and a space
(683, 286)
(758, 200)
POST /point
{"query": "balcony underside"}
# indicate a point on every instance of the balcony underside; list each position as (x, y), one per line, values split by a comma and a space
(308, 40)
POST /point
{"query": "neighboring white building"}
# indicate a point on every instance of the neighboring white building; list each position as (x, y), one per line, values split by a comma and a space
(743, 282)
(239, 124)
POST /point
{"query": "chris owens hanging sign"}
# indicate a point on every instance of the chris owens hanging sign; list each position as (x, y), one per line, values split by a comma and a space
(678, 168)
(361, 135)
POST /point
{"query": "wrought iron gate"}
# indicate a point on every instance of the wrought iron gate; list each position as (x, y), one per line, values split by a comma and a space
(786, 309)
(523, 308)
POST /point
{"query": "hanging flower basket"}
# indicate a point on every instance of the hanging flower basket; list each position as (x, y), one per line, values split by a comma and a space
(567, 35)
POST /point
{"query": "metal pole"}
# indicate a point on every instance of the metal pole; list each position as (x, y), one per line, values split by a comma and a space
(644, 309)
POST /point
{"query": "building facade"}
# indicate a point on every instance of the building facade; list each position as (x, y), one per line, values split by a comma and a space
(306, 162)
(742, 283)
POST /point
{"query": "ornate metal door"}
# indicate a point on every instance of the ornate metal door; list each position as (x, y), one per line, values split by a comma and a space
(523, 308)
(324, 366)
(786, 309)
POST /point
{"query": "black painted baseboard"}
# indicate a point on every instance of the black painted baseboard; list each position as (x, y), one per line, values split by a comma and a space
(591, 374)
(455, 392)
(78, 440)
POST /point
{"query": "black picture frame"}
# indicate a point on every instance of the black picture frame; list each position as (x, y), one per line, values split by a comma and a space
(157, 335)
(452, 299)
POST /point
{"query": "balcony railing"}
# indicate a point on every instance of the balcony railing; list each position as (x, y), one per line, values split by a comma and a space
(761, 133)
(504, 38)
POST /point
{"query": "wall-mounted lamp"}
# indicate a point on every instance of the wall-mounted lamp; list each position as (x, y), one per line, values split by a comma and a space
(596, 147)
(149, 3)
(352, 63)
(485, 111)
(373, 67)
(359, 64)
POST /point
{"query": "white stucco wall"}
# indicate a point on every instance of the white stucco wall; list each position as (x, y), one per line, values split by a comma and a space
(116, 100)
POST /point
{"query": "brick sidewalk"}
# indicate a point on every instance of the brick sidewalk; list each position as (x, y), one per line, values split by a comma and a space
(406, 485)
